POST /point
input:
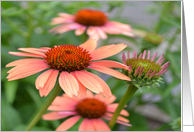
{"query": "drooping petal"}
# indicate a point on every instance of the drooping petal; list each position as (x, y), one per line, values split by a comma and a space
(107, 51)
(49, 84)
(100, 125)
(117, 121)
(89, 45)
(69, 107)
(83, 125)
(65, 15)
(105, 100)
(57, 115)
(118, 118)
(82, 89)
(112, 108)
(68, 83)
(111, 72)
(101, 33)
(41, 79)
(109, 63)
(68, 123)
(89, 80)
(60, 20)
(80, 30)
(123, 27)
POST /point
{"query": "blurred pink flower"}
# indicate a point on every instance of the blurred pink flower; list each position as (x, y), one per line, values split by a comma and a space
(94, 22)
(92, 109)
(71, 62)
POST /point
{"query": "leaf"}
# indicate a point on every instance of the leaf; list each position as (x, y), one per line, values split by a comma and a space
(35, 128)
(10, 90)
(10, 117)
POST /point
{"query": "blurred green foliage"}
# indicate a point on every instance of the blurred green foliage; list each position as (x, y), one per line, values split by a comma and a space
(26, 24)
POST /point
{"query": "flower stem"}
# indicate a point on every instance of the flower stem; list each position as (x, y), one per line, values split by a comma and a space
(44, 107)
(127, 96)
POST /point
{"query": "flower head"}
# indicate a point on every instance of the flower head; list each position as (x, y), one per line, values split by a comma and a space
(145, 72)
(71, 63)
(92, 109)
(94, 22)
(151, 40)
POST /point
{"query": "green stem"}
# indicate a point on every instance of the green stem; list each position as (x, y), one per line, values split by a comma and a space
(43, 109)
(127, 96)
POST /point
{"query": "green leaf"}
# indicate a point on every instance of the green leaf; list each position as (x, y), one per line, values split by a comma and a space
(10, 117)
(35, 128)
(10, 90)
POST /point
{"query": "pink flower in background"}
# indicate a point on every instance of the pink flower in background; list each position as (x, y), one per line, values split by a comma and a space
(94, 22)
(92, 109)
(71, 63)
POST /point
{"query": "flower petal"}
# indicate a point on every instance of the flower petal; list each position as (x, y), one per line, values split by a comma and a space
(41, 79)
(100, 125)
(56, 115)
(49, 84)
(59, 100)
(112, 108)
(68, 83)
(101, 33)
(83, 125)
(111, 72)
(25, 71)
(80, 30)
(89, 80)
(32, 50)
(25, 54)
(120, 122)
(118, 118)
(105, 100)
(89, 45)
(109, 63)
(107, 51)
(26, 61)
(68, 123)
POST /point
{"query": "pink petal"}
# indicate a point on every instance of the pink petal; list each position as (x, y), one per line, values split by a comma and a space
(68, 107)
(112, 108)
(100, 125)
(105, 100)
(90, 125)
(68, 83)
(22, 61)
(91, 30)
(21, 72)
(148, 57)
(65, 15)
(83, 125)
(107, 51)
(49, 84)
(101, 33)
(68, 123)
(41, 79)
(89, 45)
(121, 26)
(134, 54)
(89, 94)
(25, 54)
(60, 20)
(109, 63)
(94, 36)
(89, 80)
(82, 89)
(111, 72)
(160, 59)
(31, 50)
(144, 54)
(56, 115)
(124, 59)
(59, 100)
(80, 30)
(120, 122)
(119, 117)
(154, 56)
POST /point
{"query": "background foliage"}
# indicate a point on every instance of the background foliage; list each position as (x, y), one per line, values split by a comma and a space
(26, 24)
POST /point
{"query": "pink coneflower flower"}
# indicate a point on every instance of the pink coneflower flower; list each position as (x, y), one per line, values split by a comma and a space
(144, 71)
(71, 62)
(91, 109)
(95, 23)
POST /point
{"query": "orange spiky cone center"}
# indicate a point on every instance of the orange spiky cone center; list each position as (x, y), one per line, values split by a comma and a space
(89, 17)
(67, 58)
(91, 108)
